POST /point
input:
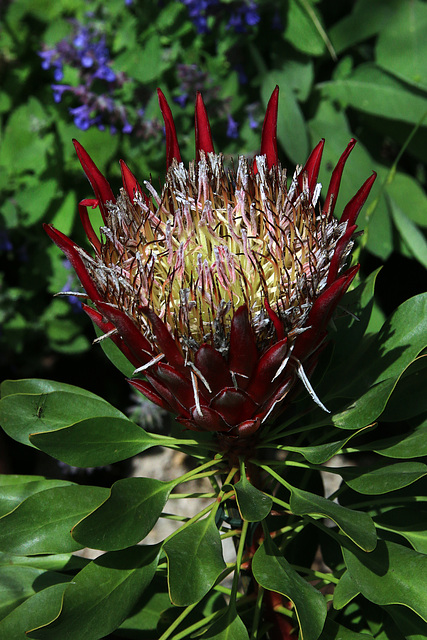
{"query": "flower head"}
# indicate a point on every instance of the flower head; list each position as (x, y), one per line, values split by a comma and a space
(219, 289)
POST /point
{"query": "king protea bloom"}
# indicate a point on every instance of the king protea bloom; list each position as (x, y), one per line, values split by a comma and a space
(220, 288)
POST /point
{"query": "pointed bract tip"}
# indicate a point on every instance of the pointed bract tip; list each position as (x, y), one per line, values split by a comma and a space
(172, 146)
(202, 128)
(269, 130)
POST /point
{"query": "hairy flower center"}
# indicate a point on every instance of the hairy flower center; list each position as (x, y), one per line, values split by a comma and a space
(215, 240)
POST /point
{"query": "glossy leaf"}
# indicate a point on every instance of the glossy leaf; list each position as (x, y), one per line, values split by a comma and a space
(32, 406)
(318, 454)
(19, 583)
(358, 526)
(409, 398)
(227, 627)
(411, 626)
(126, 517)
(254, 505)
(42, 522)
(411, 445)
(409, 522)
(38, 609)
(391, 574)
(116, 357)
(195, 561)
(334, 631)
(272, 571)
(383, 479)
(48, 562)
(345, 591)
(102, 595)
(14, 489)
(398, 343)
(96, 441)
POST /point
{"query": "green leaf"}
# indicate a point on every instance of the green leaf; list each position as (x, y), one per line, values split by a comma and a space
(38, 609)
(273, 572)
(42, 522)
(301, 30)
(402, 47)
(227, 627)
(396, 346)
(345, 591)
(254, 505)
(19, 583)
(31, 406)
(407, 522)
(14, 489)
(383, 479)
(411, 626)
(96, 441)
(115, 356)
(365, 20)
(371, 90)
(409, 397)
(412, 445)
(51, 562)
(358, 526)
(102, 595)
(334, 631)
(195, 561)
(391, 574)
(318, 454)
(291, 128)
(410, 234)
(126, 517)
(409, 196)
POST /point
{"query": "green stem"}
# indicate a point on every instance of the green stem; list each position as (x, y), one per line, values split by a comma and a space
(190, 474)
(239, 557)
(178, 496)
(257, 616)
(178, 621)
(316, 575)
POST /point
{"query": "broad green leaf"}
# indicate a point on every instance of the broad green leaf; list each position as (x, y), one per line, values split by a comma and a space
(42, 522)
(19, 583)
(334, 631)
(254, 505)
(302, 31)
(50, 562)
(227, 627)
(318, 454)
(14, 489)
(391, 574)
(126, 517)
(345, 591)
(402, 47)
(411, 626)
(409, 398)
(291, 128)
(102, 595)
(409, 196)
(409, 522)
(96, 441)
(31, 406)
(358, 526)
(273, 572)
(410, 234)
(371, 90)
(396, 346)
(148, 611)
(38, 609)
(411, 445)
(195, 561)
(381, 480)
(366, 19)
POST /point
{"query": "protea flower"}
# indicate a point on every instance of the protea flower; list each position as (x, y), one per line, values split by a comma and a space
(220, 288)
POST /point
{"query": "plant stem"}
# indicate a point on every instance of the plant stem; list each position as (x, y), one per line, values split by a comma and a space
(257, 616)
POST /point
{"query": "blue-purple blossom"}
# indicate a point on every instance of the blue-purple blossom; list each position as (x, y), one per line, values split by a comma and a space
(5, 243)
(240, 14)
(232, 127)
(75, 302)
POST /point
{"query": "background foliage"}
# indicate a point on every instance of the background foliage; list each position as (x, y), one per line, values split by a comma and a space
(89, 70)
